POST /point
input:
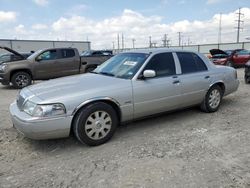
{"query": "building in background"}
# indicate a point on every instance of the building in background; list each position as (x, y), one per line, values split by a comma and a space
(34, 45)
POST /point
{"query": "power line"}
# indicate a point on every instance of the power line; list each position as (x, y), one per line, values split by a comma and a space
(239, 22)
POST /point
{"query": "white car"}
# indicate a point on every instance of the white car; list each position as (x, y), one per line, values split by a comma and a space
(128, 86)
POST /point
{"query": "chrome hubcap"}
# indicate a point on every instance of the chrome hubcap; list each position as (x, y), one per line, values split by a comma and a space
(98, 125)
(22, 80)
(214, 99)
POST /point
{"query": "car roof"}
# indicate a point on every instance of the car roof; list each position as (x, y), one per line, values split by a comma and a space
(157, 50)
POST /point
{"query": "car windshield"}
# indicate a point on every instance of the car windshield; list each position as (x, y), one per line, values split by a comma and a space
(123, 65)
(34, 54)
(4, 58)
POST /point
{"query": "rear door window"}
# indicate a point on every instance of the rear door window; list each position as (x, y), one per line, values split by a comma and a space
(67, 53)
(191, 62)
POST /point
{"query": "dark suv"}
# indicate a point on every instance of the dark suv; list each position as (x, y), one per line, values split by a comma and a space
(247, 72)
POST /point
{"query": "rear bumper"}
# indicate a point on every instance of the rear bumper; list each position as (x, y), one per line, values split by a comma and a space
(232, 87)
(40, 129)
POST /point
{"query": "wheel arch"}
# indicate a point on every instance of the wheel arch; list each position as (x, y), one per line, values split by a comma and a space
(108, 100)
(21, 70)
(220, 84)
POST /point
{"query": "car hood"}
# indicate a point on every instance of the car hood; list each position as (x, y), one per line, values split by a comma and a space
(89, 84)
(217, 51)
(12, 51)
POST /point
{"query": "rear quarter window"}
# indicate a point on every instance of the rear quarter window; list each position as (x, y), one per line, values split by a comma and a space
(190, 62)
(67, 53)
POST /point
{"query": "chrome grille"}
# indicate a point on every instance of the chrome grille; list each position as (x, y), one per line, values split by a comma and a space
(20, 100)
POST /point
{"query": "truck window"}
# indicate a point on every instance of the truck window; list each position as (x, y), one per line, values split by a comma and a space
(67, 53)
(97, 53)
(48, 55)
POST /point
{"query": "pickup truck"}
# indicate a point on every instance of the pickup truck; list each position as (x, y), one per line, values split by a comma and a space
(93, 58)
(47, 64)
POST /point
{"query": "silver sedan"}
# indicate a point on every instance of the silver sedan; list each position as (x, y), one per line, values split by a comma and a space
(128, 86)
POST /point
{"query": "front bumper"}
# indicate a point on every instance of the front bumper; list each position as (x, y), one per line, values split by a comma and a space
(40, 129)
(3, 79)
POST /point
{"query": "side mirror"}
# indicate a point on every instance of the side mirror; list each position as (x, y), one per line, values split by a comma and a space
(149, 74)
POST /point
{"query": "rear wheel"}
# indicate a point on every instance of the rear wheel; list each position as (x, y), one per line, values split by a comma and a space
(212, 100)
(89, 69)
(95, 124)
(21, 80)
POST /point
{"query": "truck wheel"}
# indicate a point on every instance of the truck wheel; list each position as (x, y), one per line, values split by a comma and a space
(21, 80)
(89, 69)
(95, 124)
(212, 99)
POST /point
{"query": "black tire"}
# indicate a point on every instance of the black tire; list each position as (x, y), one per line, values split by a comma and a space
(21, 79)
(207, 105)
(89, 69)
(247, 79)
(82, 123)
(230, 64)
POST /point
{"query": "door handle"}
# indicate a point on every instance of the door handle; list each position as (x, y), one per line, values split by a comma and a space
(207, 77)
(176, 81)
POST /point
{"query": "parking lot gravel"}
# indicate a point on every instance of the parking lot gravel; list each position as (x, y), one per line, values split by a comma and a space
(187, 148)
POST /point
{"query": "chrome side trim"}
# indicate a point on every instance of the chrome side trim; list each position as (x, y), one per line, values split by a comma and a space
(93, 100)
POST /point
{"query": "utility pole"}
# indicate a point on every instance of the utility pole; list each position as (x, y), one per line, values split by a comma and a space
(118, 42)
(164, 40)
(113, 45)
(133, 42)
(179, 33)
(239, 22)
(122, 41)
(150, 42)
(219, 34)
(168, 43)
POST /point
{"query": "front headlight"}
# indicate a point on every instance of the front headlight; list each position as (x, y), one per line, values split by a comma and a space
(29, 107)
(3, 67)
(44, 110)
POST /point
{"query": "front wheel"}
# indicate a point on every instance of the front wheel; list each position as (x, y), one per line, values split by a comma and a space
(95, 124)
(21, 80)
(230, 64)
(212, 99)
(90, 69)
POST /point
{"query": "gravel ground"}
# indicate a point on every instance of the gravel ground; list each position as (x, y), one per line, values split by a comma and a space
(187, 148)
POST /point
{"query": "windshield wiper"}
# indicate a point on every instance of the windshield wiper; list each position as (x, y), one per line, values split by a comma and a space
(107, 73)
